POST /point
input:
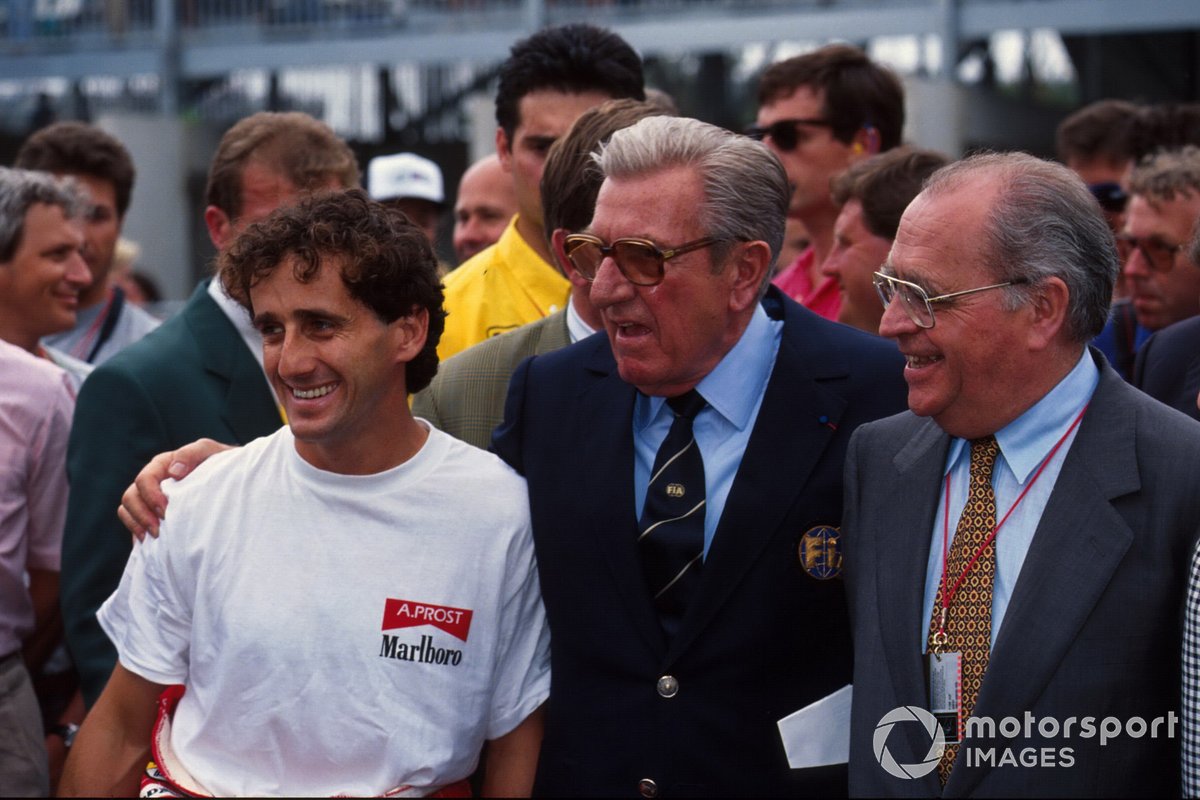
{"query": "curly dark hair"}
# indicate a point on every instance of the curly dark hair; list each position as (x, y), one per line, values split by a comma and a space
(76, 148)
(385, 260)
(568, 58)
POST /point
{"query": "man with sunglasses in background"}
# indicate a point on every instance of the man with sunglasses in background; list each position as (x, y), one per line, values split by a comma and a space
(1168, 365)
(685, 481)
(1164, 205)
(1017, 545)
(819, 113)
(1094, 142)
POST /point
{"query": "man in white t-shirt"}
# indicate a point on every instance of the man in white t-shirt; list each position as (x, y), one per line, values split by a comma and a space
(351, 604)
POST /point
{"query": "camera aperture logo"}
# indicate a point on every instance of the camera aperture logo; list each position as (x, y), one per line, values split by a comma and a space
(932, 728)
(1024, 729)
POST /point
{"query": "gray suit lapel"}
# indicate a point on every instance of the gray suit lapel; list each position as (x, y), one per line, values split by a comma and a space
(1077, 547)
(902, 558)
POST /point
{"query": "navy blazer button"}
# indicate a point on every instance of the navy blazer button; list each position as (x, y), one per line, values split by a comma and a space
(667, 686)
(648, 788)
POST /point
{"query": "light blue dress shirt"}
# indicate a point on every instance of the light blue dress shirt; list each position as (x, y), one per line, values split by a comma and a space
(734, 391)
(1024, 444)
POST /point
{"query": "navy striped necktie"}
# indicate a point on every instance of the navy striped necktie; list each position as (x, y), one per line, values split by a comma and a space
(671, 530)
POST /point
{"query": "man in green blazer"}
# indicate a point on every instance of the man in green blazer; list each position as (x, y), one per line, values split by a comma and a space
(466, 398)
(198, 375)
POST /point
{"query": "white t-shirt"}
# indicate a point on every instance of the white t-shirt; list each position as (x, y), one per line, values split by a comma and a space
(337, 633)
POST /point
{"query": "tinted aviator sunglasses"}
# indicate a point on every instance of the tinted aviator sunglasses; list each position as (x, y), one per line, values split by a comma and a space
(785, 132)
(1159, 255)
(639, 260)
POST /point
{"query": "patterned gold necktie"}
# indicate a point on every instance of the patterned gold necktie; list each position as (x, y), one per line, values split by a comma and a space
(969, 621)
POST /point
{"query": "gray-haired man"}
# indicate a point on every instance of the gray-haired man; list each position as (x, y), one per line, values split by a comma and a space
(687, 225)
(1017, 545)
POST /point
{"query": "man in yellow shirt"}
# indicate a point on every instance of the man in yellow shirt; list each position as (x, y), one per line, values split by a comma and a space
(547, 82)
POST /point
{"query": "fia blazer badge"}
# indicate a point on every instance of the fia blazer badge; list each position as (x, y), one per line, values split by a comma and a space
(820, 552)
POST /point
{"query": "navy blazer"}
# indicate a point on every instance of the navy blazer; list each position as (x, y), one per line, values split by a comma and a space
(762, 638)
(1168, 366)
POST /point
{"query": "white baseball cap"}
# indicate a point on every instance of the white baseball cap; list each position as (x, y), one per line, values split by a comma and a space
(404, 175)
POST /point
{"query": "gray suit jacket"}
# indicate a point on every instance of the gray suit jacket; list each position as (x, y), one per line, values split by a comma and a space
(1094, 624)
(466, 397)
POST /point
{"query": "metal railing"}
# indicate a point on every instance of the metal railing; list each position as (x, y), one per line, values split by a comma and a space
(33, 25)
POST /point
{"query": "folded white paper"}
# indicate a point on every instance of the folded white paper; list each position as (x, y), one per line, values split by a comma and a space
(818, 735)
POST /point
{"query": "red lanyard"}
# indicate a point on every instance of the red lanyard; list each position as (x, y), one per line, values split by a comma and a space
(948, 593)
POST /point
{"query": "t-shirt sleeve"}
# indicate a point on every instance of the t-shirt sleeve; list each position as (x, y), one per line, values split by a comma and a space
(149, 616)
(47, 490)
(522, 681)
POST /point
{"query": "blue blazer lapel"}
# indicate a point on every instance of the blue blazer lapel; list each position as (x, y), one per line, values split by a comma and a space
(1079, 543)
(612, 522)
(249, 410)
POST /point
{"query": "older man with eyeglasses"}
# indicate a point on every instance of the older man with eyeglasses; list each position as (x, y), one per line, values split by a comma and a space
(1017, 544)
(1168, 365)
(1164, 288)
(685, 481)
(819, 113)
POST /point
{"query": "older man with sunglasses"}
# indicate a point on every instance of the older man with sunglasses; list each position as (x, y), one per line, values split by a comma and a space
(819, 113)
(1163, 207)
(685, 479)
(1168, 365)
(1017, 545)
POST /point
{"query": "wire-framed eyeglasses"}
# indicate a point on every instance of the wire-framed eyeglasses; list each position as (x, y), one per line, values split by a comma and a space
(916, 301)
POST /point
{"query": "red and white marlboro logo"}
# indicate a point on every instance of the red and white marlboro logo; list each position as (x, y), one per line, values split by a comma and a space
(407, 614)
